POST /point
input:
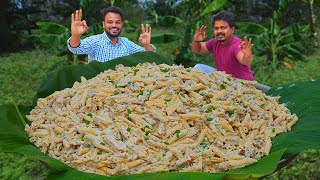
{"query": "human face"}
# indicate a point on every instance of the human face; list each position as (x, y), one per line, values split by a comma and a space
(112, 24)
(222, 31)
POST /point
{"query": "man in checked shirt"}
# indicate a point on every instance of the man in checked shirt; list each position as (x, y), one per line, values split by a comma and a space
(108, 45)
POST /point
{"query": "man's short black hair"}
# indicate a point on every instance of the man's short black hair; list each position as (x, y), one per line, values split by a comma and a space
(225, 16)
(112, 9)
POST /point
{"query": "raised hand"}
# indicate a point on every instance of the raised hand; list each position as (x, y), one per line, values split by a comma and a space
(246, 47)
(78, 27)
(145, 36)
(200, 34)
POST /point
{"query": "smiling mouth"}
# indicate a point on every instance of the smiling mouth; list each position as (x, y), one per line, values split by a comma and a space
(220, 35)
(114, 30)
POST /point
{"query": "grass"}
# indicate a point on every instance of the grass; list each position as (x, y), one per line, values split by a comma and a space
(16, 166)
(301, 71)
(21, 75)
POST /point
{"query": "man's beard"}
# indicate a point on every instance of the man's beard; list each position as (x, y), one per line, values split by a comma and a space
(112, 35)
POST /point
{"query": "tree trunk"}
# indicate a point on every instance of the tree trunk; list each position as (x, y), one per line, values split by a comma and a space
(313, 25)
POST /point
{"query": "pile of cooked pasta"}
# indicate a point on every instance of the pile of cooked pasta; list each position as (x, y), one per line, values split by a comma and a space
(155, 118)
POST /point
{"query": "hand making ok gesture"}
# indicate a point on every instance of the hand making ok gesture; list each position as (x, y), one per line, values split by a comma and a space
(78, 27)
(246, 46)
(145, 36)
(200, 34)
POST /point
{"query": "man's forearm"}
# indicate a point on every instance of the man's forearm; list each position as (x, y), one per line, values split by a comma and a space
(196, 46)
(148, 47)
(74, 41)
(247, 59)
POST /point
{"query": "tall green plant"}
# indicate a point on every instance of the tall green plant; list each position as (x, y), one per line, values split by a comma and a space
(277, 43)
(52, 36)
(196, 14)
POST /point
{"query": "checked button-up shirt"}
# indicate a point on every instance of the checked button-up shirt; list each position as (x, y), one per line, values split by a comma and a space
(100, 48)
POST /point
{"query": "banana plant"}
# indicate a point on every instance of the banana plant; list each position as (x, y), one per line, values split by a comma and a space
(275, 43)
(53, 36)
(279, 44)
(195, 8)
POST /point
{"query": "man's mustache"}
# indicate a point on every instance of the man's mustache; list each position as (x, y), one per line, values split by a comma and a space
(220, 34)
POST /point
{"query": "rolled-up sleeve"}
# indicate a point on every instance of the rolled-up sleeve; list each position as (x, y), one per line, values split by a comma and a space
(154, 48)
(136, 48)
(85, 46)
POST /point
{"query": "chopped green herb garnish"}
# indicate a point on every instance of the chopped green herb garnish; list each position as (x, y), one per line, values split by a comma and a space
(273, 130)
(230, 112)
(89, 114)
(135, 71)
(208, 110)
(177, 133)
(222, 86)
(166, 101)
(86, 121)
(165, 70)
(163, 154)
(166, 143)
(87, 97)
(202, 94)
(147, 133)
(188, 70)
(115, 84)
(182, 95)
(102, 143)
(209, 119)
(116, 93)
(129, 119)
(205, 145)
(140, 94)
(128, 129)
(99, 153)
(129, 111)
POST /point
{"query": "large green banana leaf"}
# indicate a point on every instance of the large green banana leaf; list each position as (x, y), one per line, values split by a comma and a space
(300, 97)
